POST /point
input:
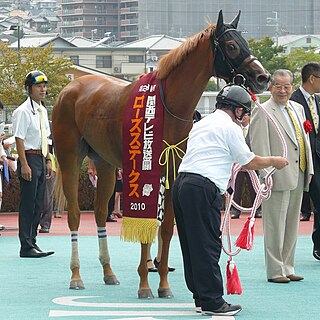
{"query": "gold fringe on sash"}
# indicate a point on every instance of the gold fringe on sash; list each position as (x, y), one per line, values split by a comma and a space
(140, 230)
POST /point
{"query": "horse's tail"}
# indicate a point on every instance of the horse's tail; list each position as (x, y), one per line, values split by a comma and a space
(60, 199)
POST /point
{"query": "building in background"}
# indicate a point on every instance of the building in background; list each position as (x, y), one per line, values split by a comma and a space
(131, 20)
(88, 18)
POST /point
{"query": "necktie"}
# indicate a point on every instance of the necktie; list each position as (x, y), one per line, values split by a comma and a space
(44, 141)
(302, 155)
(245, 131)
(313, 114)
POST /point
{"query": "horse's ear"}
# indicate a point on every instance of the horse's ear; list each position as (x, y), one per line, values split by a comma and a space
(219, 27)
(235, 21)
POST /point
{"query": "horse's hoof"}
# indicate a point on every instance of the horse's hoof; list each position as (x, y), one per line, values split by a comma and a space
(76, 285)
(145, 294)
(165, 293)
(111, 280)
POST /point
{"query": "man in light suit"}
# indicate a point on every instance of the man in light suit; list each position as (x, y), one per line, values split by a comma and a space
(310, 85)
(280, 213)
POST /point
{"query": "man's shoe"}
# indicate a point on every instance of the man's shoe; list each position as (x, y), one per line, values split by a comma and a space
(316, 254)
(258, 214)
(305, 217)
(110, 219)
(235, 214)
(226, 309)
(48, 253)
(44, 230)
(279, 280)
(294, 277)
(156, 264)
(32, 253)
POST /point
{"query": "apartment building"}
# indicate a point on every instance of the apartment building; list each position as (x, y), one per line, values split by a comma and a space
(88, 18)
(132, 20)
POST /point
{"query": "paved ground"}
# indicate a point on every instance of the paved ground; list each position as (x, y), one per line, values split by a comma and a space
(38, 288)
(88, 228)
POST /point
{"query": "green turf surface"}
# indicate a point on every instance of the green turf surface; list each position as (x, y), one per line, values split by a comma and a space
(38, 288)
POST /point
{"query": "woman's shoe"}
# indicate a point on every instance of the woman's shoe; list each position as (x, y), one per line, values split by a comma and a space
(152, 269)
(111, 219)
(156, 264)
(118, 214)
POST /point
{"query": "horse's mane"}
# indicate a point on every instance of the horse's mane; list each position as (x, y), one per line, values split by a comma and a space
(175, 57)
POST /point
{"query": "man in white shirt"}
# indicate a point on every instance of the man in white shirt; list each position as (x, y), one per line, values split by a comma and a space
(214, 144)
(31, 130)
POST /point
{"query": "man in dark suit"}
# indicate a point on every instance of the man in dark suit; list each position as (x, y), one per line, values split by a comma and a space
(306, 96)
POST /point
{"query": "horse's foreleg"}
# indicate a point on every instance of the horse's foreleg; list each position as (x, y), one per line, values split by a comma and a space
(74, 222)
(166, 230)
(76, 282)
(105, 186)
(144, 291)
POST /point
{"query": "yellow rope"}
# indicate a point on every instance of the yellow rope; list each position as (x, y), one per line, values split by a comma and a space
(165, 155)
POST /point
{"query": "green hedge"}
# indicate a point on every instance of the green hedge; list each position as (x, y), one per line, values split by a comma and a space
(11, 192)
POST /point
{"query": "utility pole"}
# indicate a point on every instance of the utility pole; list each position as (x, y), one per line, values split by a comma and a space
(274, 22)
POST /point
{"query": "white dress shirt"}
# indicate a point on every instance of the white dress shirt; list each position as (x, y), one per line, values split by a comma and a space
(215, 144)
(26, 124)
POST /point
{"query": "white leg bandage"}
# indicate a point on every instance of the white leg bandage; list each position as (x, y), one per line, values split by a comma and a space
(104, 256)
(75, 262)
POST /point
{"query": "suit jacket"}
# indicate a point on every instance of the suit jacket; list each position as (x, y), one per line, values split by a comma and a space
(264, 141)
(314, 138)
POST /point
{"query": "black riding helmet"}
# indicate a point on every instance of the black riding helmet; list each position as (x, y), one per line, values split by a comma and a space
(35, 77)
(234, 96)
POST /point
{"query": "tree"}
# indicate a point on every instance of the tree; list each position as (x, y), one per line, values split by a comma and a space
(14, 65)
(268, 54)
(297, 58)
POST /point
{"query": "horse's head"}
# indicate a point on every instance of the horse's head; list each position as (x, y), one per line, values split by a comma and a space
(232, 55)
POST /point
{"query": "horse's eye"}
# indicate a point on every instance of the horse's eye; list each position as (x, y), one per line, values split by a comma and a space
(232, 47)
(232, 50)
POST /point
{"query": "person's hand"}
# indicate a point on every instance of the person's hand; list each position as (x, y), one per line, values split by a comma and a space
(48, 169)
(280, 162)
(2, 136)
(6, 145)
(26, 172)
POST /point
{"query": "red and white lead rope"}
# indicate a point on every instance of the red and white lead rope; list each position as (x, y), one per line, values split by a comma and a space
(263, 192)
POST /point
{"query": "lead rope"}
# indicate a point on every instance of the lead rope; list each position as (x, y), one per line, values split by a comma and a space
(263, 192)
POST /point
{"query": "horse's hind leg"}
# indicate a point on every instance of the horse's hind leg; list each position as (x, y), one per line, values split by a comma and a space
(70, 167)
(164, 290)
(144, 291)
(105, 187)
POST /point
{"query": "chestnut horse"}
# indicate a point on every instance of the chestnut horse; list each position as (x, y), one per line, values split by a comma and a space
(87, 121)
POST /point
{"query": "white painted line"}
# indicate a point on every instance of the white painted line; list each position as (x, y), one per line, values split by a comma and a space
(66, 313)
(70, 301)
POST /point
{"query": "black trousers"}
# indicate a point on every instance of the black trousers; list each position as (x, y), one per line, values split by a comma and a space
(31, 200)
(197, 204)
(306, 205)
(314, 190)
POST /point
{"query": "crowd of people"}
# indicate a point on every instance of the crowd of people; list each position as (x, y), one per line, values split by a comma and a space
(234, 132)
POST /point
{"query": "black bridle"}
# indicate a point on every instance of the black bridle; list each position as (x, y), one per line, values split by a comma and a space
(220, 57)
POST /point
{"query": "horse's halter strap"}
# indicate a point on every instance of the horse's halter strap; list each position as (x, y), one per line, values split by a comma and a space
(221, 58)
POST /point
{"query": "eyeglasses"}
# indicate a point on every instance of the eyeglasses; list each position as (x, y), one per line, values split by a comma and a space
(39, 79)
(284, 86)
(316, 76)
